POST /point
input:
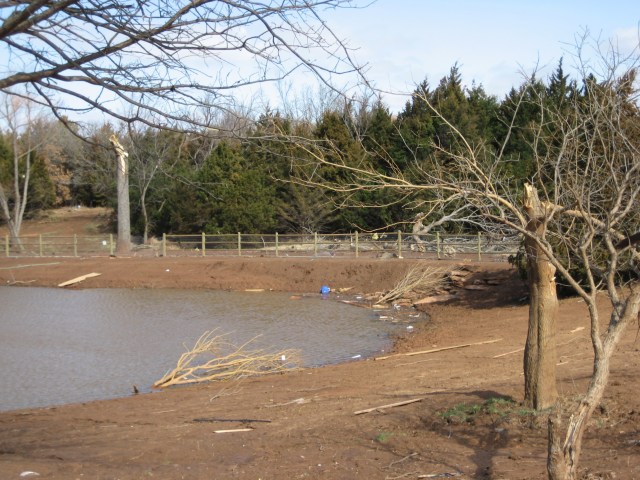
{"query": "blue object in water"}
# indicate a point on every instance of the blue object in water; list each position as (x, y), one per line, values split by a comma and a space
(325, 290)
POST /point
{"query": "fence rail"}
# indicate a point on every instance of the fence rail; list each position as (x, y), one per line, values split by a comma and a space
(368, 245)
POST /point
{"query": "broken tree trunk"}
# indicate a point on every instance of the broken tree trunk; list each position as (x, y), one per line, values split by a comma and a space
(540, 349)
(123, 243)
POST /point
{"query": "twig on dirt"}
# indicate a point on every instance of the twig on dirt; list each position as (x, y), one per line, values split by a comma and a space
(236, 420)
(424, 352)
(508, 353)
(227, 391)
(297, 401)
(390, 405)
(440, 475)
(402, 459)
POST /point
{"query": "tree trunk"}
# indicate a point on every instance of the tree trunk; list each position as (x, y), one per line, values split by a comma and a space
(123, 243)
(562, 462)
(540, 349)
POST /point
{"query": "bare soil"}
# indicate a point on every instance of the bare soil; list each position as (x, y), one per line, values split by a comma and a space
(468, 422)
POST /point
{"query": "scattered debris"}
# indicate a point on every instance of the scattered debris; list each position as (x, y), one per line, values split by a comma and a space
(79, 279)
(419, 279)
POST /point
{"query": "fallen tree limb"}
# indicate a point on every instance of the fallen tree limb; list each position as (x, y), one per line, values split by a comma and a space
(213, 358)
(390, 405)
(442, 349)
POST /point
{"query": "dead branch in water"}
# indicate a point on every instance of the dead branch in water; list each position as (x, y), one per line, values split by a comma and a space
(419, 278)
(213, 358)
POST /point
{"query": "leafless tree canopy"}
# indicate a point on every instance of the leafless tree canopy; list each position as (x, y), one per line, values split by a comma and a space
(163, 58)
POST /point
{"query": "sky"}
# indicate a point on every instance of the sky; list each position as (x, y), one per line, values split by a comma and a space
(492, 41)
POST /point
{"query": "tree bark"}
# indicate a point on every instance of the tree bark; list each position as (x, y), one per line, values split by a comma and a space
(540, 349)
(123, 243)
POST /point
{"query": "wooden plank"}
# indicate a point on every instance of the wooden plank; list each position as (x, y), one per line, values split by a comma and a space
(78, 279)
(442, 349)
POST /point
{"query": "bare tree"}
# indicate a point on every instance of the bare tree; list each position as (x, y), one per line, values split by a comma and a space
(579, 216)
(16, 114)
(167, 59)
(165, 63)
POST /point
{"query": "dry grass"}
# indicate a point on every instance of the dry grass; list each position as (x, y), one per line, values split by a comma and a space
(213, 358)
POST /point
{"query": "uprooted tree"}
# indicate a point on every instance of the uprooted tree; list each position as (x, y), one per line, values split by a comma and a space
(178, 65)
(578, 215)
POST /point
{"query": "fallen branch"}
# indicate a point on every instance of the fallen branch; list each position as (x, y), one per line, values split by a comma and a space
(79, 279)
(390, 405)
(206, 362)
(424, 352)
(508, 353)
(236, 420)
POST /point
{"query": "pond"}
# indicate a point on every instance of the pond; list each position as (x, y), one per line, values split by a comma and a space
(63, 346)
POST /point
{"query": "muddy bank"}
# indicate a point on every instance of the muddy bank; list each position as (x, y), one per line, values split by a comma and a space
(303, 424)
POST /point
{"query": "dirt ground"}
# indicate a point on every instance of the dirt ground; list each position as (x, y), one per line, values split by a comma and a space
(466, 422)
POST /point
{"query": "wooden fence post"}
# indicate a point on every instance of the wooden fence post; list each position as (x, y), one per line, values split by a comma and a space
(399, 244)
(479, 247)
(40, 243)
(357, 245)
(276, 244)
(204, 243)
(164, 244)
(239, 244)
(6, 245)
(75, 245)
(438, 244)
(315, 244)
(111, 244)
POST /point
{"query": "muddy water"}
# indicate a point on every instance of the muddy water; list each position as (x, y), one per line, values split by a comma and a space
(63, 346)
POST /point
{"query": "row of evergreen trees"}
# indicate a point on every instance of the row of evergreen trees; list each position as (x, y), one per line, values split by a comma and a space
(187, 183)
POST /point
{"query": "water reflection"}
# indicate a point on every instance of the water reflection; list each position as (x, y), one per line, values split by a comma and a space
(61, 346)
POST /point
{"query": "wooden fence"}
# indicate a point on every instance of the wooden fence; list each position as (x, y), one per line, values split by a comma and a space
(477, 247)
